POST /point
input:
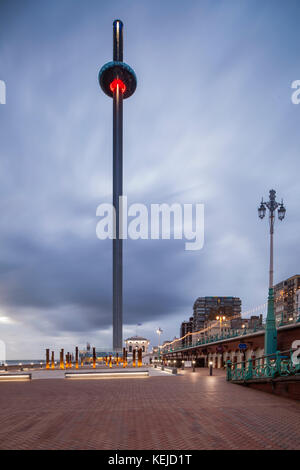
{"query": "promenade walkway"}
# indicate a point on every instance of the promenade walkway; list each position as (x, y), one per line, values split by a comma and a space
(189, 411)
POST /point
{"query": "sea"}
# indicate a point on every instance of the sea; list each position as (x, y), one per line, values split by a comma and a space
(25, 362)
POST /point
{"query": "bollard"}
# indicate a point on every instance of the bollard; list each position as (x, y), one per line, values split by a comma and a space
(47, 359)
(210, 368)
(194, 368)
(182, 365)
(94, 358)
(140, 357)
(76, 357)
(61, 359)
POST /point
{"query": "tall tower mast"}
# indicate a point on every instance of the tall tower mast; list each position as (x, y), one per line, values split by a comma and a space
(118, 81)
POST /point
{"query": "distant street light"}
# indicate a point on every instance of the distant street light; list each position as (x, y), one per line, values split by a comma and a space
(159, 332)
(270, 331)
(221, 318)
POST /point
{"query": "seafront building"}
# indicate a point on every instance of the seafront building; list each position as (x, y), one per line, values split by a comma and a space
(287, 300)
(137, 342)
(207, 310)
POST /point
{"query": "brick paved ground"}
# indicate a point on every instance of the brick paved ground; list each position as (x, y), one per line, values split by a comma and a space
(191, 411)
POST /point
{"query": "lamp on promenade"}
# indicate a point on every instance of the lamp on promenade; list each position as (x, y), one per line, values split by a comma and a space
(118, 81)
(270, 331)
(159, 332)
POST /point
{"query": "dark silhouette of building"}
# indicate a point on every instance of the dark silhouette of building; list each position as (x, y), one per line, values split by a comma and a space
(185, 328)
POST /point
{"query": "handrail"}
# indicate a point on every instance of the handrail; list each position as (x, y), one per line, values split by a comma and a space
(279, 364)
(214, 339)
(211, 339)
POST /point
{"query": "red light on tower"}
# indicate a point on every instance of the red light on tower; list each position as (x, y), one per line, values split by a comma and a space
(117, 82)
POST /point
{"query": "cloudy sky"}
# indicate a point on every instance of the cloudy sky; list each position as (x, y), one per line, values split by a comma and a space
(211, 122)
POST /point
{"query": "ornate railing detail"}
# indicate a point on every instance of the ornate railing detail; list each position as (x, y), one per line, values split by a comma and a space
(271, 366)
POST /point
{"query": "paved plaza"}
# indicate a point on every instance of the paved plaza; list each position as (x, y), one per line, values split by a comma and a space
(188, 411)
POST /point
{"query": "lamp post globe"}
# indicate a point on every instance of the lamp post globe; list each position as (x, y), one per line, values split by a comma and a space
(281, 212)
(261, 211)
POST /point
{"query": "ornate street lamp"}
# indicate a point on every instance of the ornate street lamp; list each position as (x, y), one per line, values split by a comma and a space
(270, 331)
